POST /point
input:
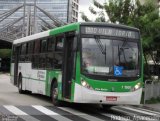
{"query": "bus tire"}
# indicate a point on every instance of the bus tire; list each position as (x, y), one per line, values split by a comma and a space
(54, 94)
(20, 85)
(107, 107)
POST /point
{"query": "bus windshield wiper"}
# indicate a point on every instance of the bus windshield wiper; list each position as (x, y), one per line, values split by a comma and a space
(123, 44)
(121, 51)
(100, 45)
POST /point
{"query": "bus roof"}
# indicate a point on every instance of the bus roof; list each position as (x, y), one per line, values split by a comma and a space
(58, 30)
(32, 37)
(69, 27)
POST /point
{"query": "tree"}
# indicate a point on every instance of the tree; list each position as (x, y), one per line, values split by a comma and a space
(143, 16)
(5, 53)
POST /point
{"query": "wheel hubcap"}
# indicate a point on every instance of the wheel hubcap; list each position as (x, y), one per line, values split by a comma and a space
(55, 93)
(20, 85)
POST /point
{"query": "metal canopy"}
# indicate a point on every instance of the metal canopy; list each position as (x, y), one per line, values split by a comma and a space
(29, 23)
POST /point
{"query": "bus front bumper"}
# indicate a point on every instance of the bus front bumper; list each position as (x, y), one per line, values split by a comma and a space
(84, 95)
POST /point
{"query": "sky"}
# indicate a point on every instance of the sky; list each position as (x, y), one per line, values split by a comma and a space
(84, 7)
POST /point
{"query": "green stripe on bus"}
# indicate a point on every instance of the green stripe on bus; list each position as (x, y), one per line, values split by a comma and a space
(67, 28)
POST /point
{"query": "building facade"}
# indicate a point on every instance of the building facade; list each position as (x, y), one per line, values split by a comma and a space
(65, 10)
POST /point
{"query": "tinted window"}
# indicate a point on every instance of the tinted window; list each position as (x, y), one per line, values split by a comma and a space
(42, 61)
(23, 49)
(58, 55)
(49, 60)
(58, 60)
(59, 43)
(30, 47)
(51, 44)
(35, 61)
(37, 46)
(43, 46)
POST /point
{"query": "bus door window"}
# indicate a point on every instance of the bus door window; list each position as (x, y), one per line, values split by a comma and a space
(16, 61)
(13, 54)
(74, 50)
(50, 52)
(68, 64)
(58, 55)
(59, 44)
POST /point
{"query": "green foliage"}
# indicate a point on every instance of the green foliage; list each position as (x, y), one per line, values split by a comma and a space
(5, 53)
(84, 17)
(98, 5)
(119, 10)
(92, 10)
(153, 100)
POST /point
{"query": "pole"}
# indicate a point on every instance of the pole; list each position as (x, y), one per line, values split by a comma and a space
(24, 15)
(35, 27)
(28, 21)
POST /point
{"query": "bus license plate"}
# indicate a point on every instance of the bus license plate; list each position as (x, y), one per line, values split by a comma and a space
(111, 98)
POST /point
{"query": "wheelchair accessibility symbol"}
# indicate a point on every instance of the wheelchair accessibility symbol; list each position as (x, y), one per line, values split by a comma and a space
(118, 70)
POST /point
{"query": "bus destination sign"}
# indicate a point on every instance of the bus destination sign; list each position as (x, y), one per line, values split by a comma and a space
(108, 31)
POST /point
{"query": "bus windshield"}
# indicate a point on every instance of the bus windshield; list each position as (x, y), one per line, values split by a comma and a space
(110, 57)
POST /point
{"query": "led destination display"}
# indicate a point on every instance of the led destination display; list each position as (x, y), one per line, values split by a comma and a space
(108, 31)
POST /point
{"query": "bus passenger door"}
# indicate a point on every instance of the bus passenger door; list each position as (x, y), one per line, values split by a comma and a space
(17, 52)
(68, 65)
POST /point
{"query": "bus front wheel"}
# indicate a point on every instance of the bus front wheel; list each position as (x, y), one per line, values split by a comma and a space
(20, 85)
(54, 94)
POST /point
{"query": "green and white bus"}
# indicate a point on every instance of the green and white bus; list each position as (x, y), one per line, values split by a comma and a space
(96, 63)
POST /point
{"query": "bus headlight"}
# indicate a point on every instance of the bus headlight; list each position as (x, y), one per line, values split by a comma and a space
(85, 84)
(136, 87)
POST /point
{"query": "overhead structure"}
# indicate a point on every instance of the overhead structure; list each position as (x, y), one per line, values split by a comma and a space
(29, 23)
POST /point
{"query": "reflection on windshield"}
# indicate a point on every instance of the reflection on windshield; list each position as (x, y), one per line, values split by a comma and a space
(103, 56)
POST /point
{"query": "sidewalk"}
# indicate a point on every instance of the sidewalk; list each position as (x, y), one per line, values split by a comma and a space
(154, 107)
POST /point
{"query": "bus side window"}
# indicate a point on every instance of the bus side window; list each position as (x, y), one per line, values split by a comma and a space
(30, 50)
(59, 43)
(37, 46)
(51, 44)
(43, 46)
(23, 52)
(42, 55)
(50, 52)
(30, 47)
(35, 60)
(23, 49)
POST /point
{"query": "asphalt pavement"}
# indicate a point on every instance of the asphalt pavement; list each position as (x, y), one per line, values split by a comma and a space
(31, 107)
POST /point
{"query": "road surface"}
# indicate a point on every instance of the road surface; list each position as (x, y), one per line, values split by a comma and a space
(29, 107)
(9, 95)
